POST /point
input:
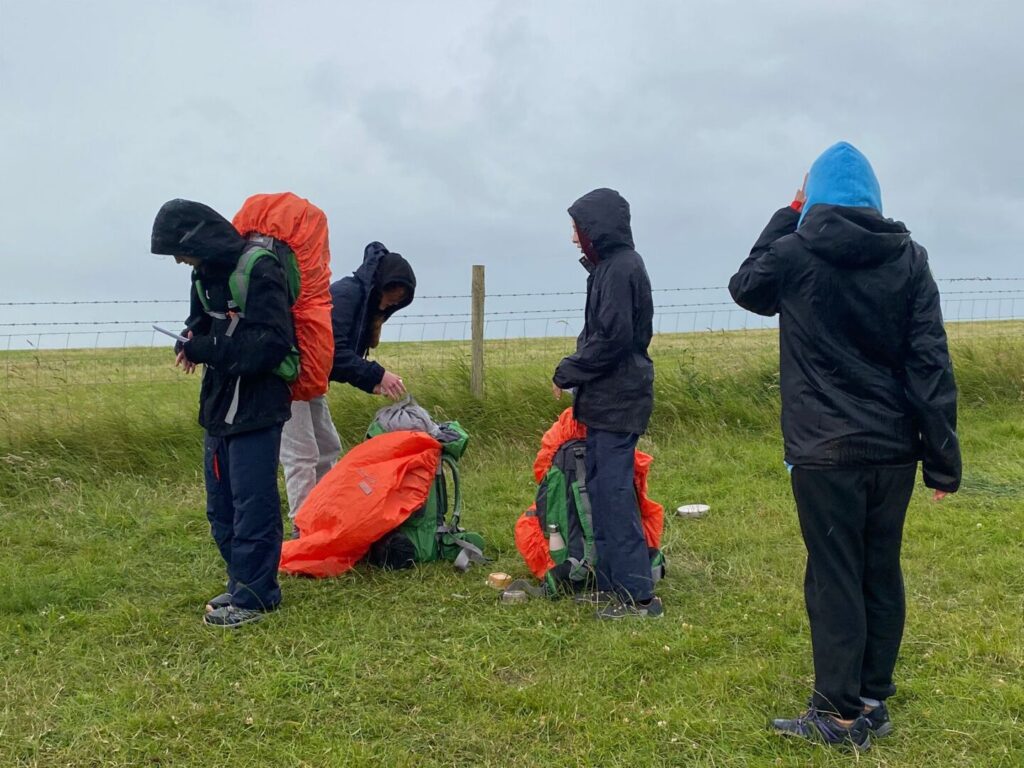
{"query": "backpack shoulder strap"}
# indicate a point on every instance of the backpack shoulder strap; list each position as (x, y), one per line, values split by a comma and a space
(201, 294)
(238, 280)
(452, 524)
(470, 553)
(584, 508)
(449, 531)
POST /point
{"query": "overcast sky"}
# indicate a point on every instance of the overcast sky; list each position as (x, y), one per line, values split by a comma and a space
(459, 132)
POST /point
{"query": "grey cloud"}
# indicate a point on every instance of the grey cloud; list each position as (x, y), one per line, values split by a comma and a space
(460, 132)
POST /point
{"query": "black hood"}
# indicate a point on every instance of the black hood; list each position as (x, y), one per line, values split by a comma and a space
(187, 228)
(851, 237)
(602, 223)
(381, 268)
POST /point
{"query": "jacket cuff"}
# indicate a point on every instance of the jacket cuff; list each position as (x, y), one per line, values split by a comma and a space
(200, 349)
(373, 377)
(559, 379)
(945, 484)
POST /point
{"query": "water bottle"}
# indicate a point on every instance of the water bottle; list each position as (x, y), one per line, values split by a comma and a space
(556, 544)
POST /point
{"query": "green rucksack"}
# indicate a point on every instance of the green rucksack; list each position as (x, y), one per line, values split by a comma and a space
(564, 501)
(430, 533)
(258, 247)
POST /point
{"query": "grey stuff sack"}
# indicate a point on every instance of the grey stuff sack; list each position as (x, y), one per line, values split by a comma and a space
(407, 415)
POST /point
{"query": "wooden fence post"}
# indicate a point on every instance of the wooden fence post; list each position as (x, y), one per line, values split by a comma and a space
(476, 379)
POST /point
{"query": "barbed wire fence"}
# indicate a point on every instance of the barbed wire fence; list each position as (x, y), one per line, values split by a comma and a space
(110, 341)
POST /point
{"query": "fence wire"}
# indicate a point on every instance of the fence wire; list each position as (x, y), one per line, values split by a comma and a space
(101, 342)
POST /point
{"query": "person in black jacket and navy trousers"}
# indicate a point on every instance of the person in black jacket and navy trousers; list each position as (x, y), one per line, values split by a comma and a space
(613, 381)
(242, 403)
(867, 392)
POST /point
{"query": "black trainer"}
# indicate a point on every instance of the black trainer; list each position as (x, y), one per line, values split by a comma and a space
(823, 728)
(878, 721)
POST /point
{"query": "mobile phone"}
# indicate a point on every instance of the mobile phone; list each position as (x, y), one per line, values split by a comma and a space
(172, 334)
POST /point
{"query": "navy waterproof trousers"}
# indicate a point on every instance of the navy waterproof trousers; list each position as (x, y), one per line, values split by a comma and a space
(244, 509)
(623, 562)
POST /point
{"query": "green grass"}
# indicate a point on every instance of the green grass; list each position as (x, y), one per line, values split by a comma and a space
(107, 561)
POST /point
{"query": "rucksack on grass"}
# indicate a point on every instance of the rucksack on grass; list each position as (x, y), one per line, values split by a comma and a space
(386, 500)
(372, 490)
(433, 532)
(564, 501)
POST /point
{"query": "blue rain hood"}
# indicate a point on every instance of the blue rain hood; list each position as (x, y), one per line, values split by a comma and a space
(842, 176)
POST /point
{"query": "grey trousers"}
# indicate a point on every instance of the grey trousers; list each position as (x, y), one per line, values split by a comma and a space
(309, 448)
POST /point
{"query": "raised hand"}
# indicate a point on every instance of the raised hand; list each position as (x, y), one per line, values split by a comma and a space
(801, 194)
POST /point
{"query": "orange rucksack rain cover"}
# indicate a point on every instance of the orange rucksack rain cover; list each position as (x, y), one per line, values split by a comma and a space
(303, 227)
(372, 490)
(530, 540)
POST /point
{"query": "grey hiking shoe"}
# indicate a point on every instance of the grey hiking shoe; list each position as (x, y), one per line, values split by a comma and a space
(223, 600)
(231, 617)
(823, 728)
(878, 721)
(653, 609)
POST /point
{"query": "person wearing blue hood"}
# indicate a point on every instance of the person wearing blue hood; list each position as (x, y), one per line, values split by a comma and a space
(867, 392)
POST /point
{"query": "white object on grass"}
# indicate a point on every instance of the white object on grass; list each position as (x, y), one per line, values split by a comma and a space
(693, 510)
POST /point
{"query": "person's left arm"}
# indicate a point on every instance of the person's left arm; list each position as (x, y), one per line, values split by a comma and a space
(263, 338)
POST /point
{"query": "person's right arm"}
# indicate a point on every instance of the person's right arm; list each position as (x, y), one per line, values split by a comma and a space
(197, 324)
(262, 338)
(611, 333)
(349, 367)
(930, 385)
(756, 285)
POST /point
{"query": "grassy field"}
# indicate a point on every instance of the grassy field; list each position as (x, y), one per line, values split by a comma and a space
(107, 561)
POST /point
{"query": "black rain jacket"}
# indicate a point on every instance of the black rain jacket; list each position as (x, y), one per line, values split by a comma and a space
(245, 359)
(865, 370)
(356, 298)
(611, 371)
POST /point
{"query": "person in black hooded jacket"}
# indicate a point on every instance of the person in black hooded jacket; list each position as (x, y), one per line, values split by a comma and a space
(242, 402)
(613, 381)
(363, 301)
(867, 391)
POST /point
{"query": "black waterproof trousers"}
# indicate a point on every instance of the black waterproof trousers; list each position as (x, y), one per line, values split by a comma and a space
(623, 562)
(852, 524)
(243, 505)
